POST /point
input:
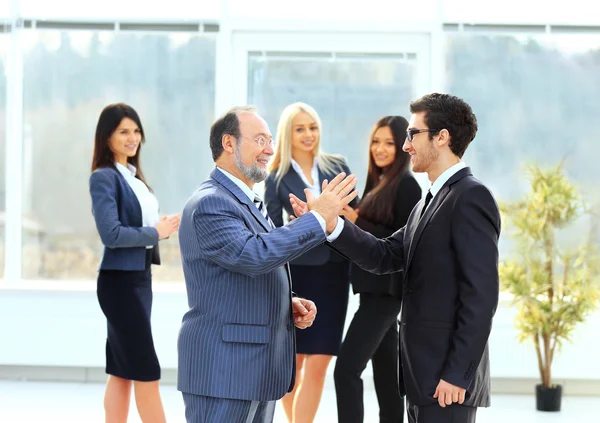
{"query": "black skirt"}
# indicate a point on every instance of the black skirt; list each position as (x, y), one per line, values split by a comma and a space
(125, 298)
(328, 287)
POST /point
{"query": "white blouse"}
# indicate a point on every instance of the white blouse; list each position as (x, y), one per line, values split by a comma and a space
(316, 186)
(147, 200)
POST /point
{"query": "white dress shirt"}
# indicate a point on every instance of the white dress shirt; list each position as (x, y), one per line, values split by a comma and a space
(444, 177)
(434, 189)
(147, 200)
(315, 187)
(251, 195)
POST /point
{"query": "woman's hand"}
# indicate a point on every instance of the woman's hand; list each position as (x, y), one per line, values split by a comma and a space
(350, 214)
(168, 225)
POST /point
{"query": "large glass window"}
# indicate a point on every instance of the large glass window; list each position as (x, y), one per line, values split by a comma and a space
(4, 9)
(69, 76)
(536, 100)
(4, 39)
(349, 91)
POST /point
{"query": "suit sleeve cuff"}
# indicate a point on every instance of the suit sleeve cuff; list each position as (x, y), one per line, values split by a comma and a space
(338, 228)
(320, 220)
(337, 231)
(452, 379)
(154, 234)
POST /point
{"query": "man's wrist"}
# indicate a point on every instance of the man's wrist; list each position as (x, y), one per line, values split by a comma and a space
(331, 225)
(337, 231)
(320, 219)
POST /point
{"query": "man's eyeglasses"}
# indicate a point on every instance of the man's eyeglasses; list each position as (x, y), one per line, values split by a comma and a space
(410, 133)
(262, 141)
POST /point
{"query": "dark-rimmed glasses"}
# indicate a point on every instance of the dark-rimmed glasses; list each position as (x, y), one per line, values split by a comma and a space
(410, 133)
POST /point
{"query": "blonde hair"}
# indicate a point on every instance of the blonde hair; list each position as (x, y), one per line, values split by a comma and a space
(283, 153)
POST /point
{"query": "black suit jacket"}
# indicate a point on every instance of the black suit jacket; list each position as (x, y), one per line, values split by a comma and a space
(408, 193)
(451, 285)
(277, 200)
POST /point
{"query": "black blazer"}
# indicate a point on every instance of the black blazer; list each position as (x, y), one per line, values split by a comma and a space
(451, 285)
(277, 200)
(408, 193)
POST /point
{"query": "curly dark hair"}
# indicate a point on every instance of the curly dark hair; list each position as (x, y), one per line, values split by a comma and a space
(445, 111)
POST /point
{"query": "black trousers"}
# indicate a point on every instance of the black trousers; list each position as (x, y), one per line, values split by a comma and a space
(434, 413)
(372, 335)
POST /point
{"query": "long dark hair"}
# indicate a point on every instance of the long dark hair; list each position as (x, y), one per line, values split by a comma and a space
(109, 120)
(379, 196)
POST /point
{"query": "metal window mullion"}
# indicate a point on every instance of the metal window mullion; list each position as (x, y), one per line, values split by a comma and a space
(125, 25)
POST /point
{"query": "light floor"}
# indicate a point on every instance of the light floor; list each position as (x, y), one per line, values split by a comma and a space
(29, 402)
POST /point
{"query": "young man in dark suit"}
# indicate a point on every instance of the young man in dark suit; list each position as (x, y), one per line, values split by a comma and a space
(449, 253)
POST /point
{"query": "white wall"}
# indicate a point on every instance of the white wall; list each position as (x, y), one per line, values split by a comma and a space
(400, 12)
(403, 12)
(130, 10)
(397, 11)
(575, 12)
(60, 324)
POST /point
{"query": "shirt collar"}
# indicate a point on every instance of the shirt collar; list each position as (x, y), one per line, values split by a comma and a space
(130, 170)
(444, 177)
(297, 167)
(245, 188)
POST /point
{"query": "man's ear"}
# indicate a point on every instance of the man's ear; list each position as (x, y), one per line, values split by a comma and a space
(228, 143)
(443, 138)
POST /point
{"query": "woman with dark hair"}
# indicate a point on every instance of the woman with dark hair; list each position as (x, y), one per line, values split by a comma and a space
(127, 219)
(390, 194)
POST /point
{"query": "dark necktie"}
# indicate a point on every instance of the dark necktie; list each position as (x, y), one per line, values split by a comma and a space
(428, 198)
(263, 210)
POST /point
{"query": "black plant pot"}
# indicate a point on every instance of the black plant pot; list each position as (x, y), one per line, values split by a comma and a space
(548, 399)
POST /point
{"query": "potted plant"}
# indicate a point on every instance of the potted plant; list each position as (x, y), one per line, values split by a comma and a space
(554, 286)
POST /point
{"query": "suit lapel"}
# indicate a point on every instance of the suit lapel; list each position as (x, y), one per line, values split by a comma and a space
(241, 197)
(417, 226)
(294, 183)
(130, 201)
(323, 176)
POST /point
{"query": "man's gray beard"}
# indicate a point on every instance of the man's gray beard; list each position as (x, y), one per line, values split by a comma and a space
(254, 173)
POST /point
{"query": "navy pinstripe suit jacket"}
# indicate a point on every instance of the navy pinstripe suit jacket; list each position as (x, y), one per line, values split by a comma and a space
(237, 339)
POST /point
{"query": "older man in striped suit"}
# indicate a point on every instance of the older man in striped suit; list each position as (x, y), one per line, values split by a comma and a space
(236, 345)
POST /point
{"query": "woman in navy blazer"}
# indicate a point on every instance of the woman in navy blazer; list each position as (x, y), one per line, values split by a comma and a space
(320, 274)
(126, 215)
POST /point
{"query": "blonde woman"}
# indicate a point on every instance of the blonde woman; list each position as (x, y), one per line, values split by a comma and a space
(320, 275)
